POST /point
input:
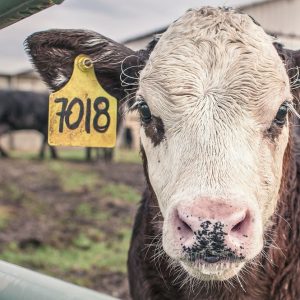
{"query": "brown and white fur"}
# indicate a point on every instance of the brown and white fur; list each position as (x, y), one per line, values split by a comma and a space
(220, 217)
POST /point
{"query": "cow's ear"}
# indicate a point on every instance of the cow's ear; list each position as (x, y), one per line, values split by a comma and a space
(53, 53)
(291, 60)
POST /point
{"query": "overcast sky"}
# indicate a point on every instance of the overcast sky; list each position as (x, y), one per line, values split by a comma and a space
(117, 19)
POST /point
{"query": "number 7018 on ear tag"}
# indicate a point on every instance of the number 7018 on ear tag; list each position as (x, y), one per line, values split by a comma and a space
(82, 113)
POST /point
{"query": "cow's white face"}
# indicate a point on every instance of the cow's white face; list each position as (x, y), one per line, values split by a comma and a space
(216, 89)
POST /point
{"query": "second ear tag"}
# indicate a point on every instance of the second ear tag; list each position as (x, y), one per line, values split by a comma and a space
(82, 113)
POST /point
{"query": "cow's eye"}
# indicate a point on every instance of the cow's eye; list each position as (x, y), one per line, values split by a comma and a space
(144, 112)
(280, 118)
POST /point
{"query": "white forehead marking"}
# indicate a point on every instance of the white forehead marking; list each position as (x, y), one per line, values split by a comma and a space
(217, 58)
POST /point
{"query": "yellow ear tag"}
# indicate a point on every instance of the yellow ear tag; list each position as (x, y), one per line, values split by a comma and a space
(82, 113)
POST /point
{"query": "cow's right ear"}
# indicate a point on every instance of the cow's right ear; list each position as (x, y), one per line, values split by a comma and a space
(291, 60)
(53, 53)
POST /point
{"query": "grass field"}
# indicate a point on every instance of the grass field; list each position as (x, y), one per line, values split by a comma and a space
(69, 218)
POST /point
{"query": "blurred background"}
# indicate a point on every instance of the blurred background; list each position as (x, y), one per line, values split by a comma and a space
(71, 217)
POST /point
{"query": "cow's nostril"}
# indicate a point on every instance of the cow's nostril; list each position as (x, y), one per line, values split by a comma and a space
(238, 226)
(183, 226)
(241, 225)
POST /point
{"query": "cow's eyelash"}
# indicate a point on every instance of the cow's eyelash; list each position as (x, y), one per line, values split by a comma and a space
(140, 100)
(292, 109)
(142, 107)
(130, 105)
(135, 105)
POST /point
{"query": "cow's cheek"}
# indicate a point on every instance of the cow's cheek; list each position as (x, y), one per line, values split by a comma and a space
(273, 166)
(159, 170)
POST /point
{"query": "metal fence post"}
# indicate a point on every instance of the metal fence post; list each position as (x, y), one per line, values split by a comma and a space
(17, 283)
(12, 11)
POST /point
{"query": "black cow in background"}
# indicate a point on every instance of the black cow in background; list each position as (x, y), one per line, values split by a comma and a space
(106, 154)
(21, 110)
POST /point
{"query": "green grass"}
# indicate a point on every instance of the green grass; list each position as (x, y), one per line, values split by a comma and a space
(71, 154)
(78, 154)
(121, 191)
(82, 241)
(127, 156)
(24, 154)
(5, 216)
(36, 207)
(87, 211)
(72, 179)
(83, 255)
(91, 246)
(75, 153)
(84, 210)
(14, 192)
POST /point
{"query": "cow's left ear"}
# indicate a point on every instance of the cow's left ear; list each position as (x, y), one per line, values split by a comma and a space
(53, 53)
(291, 60)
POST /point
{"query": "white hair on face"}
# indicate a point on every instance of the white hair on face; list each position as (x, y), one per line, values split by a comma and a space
(216, 82)
(210, 51)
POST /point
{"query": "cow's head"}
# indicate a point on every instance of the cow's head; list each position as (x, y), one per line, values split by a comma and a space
(213, 97)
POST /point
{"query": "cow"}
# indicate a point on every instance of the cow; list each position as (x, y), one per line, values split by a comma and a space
(105, 153)
(218, 101)
(21, 110)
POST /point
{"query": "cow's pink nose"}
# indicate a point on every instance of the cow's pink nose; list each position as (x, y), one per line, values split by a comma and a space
(213, 229)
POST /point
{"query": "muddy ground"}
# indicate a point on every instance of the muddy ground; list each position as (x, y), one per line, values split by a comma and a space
(70, 219)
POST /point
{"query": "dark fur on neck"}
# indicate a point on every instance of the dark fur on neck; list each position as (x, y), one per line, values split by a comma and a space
(274, 277)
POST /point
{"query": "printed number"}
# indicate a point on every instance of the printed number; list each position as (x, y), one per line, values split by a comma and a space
(99, 113)
(101, 106)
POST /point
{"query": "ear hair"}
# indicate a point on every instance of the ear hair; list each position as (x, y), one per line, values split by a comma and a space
(131, 72)
(53, 53)
(291, 60)
(117, 67)
(285, 54)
